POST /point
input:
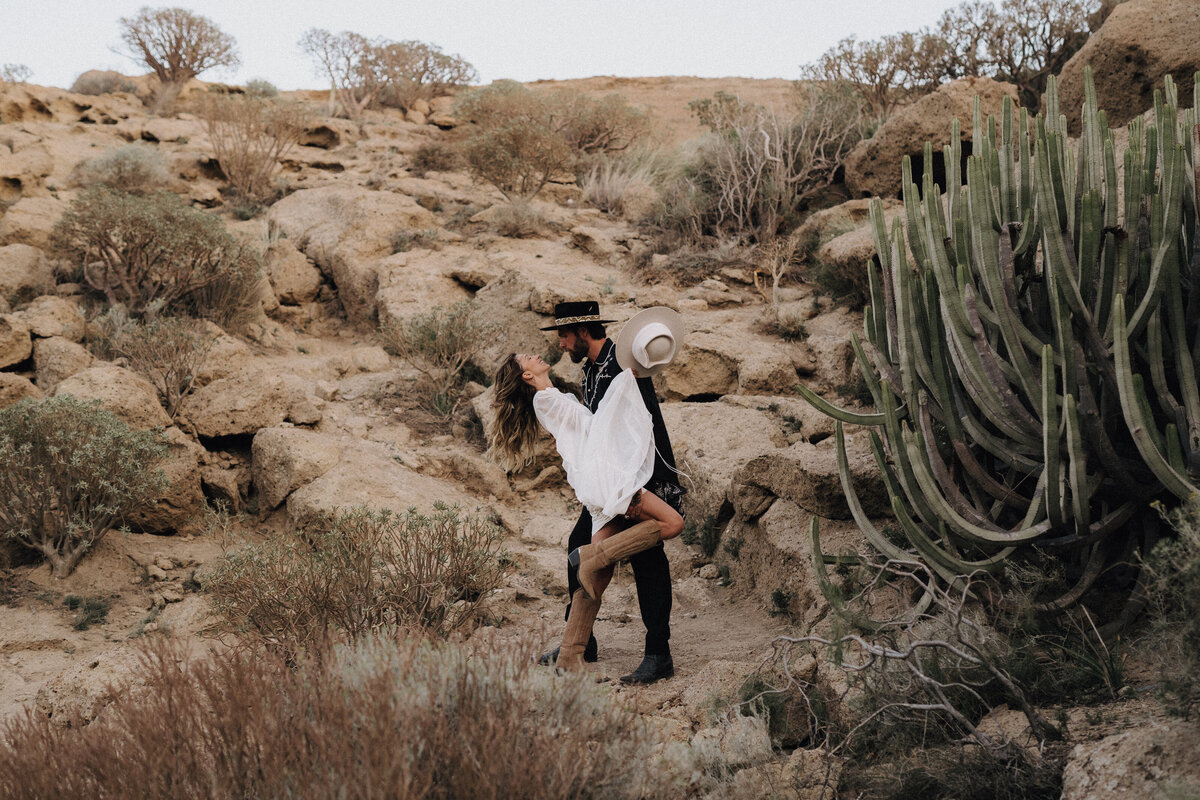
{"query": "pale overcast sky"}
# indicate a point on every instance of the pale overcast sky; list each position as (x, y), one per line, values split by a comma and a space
(520, 39)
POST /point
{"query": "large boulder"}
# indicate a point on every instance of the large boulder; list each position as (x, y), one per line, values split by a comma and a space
(375, 478)
(54, 316)
(30, 221)
(122, 391)
(873, 166)
(1148, 761)
(15, 388)
(844, 257)
(284, 459)
(706, 367)
(293, 277)
(504, 303)
(1141, 42)
(57, 359)
(180, 504)
(25, 272)
(711, 442)
(15, 342)
(248, 401)
(347, 231)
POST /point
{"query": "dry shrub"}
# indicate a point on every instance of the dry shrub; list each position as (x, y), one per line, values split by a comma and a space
(70, 472)
(434, 157)
(135, 168)
(138, 250)
(168, 351)
(1172, 636)
(439, 345)
(249, 135)
(95, 82)
(522, 138)
(749, 178)
(517, 221)
(357, 571)
(689, 265)
(610, 183)
(375, 720)
(418, 71)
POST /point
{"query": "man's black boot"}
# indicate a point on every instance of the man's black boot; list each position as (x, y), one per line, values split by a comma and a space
(590, 654)
(654, 667)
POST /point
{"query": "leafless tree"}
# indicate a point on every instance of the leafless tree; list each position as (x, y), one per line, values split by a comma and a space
(353, 66)
(249, 136)
(178, 45)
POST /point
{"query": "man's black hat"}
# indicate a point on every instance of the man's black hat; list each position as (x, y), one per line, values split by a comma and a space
(579, 312)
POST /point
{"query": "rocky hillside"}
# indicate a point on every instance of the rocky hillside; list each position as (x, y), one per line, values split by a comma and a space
(301, 410)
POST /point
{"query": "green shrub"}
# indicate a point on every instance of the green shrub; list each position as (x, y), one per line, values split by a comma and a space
(71, 472)
(379, 720)
(89, 611)
(96, 82)
(706, 535)
(750, 176)
(134, 168)
(168, 351)
(357, 571)
(440, 345)
(260, 87)
(137, 250)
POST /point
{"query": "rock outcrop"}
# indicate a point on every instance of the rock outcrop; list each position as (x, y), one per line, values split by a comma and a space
(873, 166)
(1141, 42)
(1147, 761)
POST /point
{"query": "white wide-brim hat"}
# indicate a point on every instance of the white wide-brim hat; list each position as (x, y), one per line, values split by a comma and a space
(650, 340)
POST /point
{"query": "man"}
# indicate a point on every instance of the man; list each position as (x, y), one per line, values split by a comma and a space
(582, 336)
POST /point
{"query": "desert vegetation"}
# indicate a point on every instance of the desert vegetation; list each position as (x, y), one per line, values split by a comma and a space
(177, 45)
(1007, 574)
(72, 471)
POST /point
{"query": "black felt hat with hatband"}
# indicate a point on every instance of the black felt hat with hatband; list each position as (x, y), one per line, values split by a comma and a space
(576, 312)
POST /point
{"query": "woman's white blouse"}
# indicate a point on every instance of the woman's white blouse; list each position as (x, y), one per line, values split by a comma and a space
(607, 456)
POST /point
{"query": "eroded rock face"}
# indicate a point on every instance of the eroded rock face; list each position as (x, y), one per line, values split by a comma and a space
(807, 475)
(123, 392)
(293, 277)
(248, 401)
(1143, 762)
(346, 231)
(873, 167)
(287, 458)
(1141, 42)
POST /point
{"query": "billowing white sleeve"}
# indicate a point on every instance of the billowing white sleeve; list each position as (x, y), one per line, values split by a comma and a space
(619, 452)
(568, 421)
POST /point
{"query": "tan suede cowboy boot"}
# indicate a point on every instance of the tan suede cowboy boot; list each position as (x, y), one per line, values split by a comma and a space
(591, 558)
(578, 631)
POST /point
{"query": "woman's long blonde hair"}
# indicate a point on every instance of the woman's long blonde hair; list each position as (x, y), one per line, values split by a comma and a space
(515, 429)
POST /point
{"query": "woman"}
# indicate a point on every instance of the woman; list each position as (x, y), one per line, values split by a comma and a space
(608, 458)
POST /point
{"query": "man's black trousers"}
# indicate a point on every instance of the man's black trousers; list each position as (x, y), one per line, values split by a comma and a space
(651, 574)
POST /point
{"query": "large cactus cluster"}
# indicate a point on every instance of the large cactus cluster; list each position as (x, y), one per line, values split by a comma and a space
(1033, 340)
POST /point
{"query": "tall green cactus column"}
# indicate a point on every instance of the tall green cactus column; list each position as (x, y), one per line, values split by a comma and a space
(1034, 365)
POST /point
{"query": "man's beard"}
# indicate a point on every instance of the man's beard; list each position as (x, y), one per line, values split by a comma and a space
(578, 351)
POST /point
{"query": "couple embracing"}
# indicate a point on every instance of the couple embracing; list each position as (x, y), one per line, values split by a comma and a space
(618, 460)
